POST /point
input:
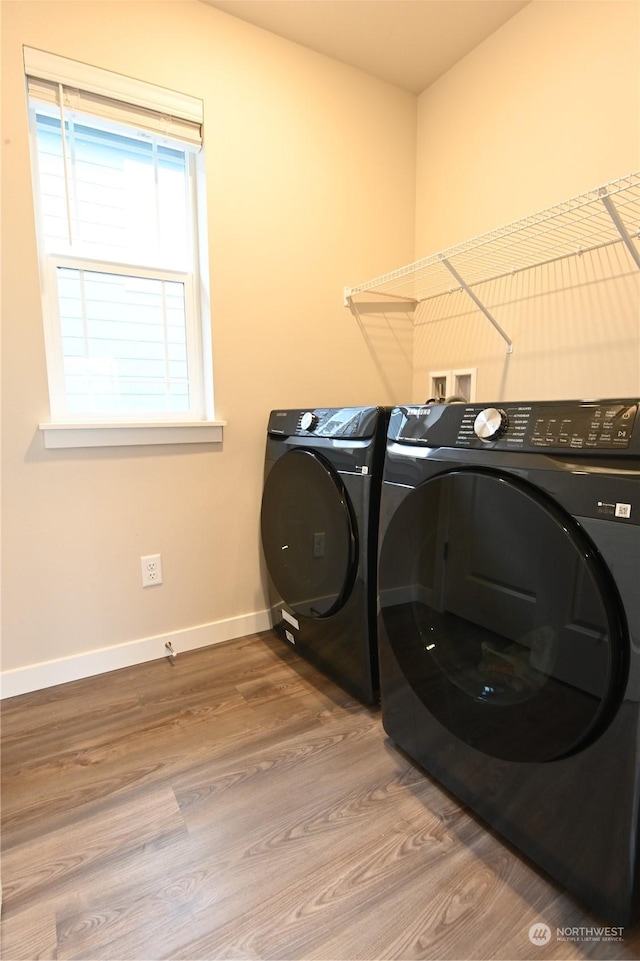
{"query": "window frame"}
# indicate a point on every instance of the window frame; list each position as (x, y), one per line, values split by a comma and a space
(53, 332)
(70, 428)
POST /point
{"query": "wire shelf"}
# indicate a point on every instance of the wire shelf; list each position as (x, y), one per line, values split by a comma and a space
(606, 215)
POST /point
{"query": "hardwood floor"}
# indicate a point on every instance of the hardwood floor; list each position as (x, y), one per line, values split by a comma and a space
(234, 803)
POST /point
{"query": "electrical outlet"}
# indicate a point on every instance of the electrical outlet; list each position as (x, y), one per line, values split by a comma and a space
(151, 565)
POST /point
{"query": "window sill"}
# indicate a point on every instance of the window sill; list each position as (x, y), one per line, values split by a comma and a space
(129, 435)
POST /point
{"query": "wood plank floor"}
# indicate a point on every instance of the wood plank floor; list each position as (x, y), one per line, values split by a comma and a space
(234, 803)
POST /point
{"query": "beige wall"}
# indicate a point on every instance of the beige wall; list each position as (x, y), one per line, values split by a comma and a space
(311, 186)
(545, 109)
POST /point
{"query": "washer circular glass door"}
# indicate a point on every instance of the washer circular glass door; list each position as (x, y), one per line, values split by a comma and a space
(501, 615)
(308, 534)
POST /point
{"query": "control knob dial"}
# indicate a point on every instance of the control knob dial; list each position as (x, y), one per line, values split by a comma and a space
(308, 421)
(490, 423)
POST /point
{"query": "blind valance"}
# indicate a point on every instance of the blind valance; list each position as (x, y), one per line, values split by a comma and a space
(72, 85)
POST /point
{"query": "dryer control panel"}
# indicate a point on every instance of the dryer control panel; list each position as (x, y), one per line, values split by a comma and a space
(340, 422)
(605, 426)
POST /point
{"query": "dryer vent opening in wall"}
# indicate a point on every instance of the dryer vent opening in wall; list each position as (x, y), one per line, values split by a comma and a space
(453, 383)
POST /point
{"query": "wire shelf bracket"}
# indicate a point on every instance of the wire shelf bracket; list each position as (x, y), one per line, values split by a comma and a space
(622, 230)
(464, 286)
(607, 215)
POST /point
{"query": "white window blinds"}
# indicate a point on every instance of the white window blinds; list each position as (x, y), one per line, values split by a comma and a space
(71, 85)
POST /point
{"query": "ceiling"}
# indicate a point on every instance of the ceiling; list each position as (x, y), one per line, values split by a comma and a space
(409, 43)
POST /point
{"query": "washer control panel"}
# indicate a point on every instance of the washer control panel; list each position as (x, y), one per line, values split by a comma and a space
(589, 426)
(600, 427)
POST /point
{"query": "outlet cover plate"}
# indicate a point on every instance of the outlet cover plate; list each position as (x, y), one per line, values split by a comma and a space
(151, 567)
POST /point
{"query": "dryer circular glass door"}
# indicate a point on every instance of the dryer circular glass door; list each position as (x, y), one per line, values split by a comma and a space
(502, 616)
(308, 534)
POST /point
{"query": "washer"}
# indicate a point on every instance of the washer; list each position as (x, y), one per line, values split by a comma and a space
(509, 625)
(319, 524)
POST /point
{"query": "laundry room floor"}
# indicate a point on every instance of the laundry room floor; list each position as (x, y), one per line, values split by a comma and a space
(234, 803)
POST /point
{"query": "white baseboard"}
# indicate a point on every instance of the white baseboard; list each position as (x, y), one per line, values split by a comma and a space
(35, 677)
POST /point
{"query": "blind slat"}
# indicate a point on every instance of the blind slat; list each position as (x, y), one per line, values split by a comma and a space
(101, 93)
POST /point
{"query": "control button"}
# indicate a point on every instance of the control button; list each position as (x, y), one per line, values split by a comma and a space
(308, 421)
(490, 423)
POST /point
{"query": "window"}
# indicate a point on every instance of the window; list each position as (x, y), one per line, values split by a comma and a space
(120, 232)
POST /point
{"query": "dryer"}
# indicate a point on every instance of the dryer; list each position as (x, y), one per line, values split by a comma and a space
(319, 524)
(509, 625)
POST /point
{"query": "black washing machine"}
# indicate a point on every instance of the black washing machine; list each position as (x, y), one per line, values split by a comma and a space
(509, 625)
(319, 524)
